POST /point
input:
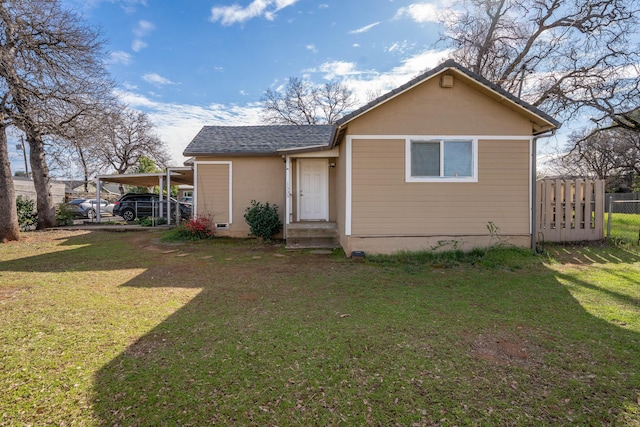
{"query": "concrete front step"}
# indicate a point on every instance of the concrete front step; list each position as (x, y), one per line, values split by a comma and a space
(312, 235)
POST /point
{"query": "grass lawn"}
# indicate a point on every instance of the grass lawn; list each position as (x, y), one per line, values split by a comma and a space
(100, 328)
(624, 227)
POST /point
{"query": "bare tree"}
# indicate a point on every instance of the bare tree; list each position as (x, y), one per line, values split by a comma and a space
(587, 155)
(52, 71)
(125, 137)
(302, 103)
(77, 149)
(560, 55)
(612, 154)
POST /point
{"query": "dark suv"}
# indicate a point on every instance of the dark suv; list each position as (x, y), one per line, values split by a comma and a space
(139, 205)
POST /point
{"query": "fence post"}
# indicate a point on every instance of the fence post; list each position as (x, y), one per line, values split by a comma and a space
(609, 216)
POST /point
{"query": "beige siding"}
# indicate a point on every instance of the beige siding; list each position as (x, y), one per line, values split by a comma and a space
(385, 205)
(213, 192)
(253, 178)
(428, 109)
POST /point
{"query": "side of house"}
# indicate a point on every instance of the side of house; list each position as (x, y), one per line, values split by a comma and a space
(443, 164)
(444, 161)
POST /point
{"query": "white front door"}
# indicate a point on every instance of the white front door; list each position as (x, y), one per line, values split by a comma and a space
(313, 189)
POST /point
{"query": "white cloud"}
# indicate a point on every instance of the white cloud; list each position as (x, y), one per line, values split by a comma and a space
(143, 29)
(323, 6)
(365, 28)
(177, 124)
(229, 15)
(420, 12)
(157, 79)
(312, 48)
(400, 47)
(129, 86)
(137, 45)
(337, 69)
(365, 82)
(129, 6)
(120, 57)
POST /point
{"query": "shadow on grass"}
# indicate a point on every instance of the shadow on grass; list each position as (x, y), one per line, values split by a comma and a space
(303, 340)
(591, 253)
(337, 343)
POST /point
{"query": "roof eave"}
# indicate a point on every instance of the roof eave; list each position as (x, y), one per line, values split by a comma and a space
(544, 119)
(232, 154)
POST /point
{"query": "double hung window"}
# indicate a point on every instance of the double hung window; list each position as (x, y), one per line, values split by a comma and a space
(441, 160)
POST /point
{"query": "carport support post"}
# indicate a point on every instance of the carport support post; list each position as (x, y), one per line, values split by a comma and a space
(169, 197)
(98, 190)
(161, 196)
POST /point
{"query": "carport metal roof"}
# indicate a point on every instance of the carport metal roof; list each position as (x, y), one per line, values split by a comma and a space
(181, 175)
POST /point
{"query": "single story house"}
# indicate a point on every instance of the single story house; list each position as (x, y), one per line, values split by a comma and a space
(446, 160)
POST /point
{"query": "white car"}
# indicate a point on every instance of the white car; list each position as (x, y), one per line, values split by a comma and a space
(86, 208)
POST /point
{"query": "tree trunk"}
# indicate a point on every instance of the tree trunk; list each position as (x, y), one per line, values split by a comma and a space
(40, 171)
(9, 227)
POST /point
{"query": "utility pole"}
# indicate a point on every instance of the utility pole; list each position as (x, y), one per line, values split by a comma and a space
(24, 152)
(524, 70)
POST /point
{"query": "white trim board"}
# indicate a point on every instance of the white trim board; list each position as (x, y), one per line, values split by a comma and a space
(195, 184)
(478, 137)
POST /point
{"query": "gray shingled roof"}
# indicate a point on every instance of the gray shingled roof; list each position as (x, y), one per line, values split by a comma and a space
(258, 140)
(450, 63)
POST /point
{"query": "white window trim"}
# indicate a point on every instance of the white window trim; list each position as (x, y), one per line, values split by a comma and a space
(407, 165)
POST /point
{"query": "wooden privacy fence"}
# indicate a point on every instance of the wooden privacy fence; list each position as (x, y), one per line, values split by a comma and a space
(570, 210)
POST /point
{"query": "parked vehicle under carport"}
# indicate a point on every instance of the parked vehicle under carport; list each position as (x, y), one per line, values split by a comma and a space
(140, 205)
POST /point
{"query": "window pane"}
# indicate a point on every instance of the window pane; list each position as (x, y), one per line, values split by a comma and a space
(457, 158)
(425, 159)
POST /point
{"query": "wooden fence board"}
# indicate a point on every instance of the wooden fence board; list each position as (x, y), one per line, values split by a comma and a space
(570, 210)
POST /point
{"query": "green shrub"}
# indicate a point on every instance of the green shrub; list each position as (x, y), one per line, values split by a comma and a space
(27, 215)
(147, 221)
(64, 216)
(263, 220)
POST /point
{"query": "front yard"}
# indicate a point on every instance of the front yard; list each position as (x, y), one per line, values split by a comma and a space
(104, 328)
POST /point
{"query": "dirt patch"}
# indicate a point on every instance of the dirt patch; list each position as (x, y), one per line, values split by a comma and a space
(248, 297)
(151, 241)
(506, 350)
(9, 293)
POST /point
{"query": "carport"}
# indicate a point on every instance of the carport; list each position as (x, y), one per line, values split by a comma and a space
(164, 180)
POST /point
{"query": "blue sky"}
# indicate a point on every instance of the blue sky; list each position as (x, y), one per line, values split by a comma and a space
(192, 63)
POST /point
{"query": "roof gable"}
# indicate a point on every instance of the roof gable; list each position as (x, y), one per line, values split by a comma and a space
(543, 121)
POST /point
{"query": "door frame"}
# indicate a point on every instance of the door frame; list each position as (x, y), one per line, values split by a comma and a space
(325, 192)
